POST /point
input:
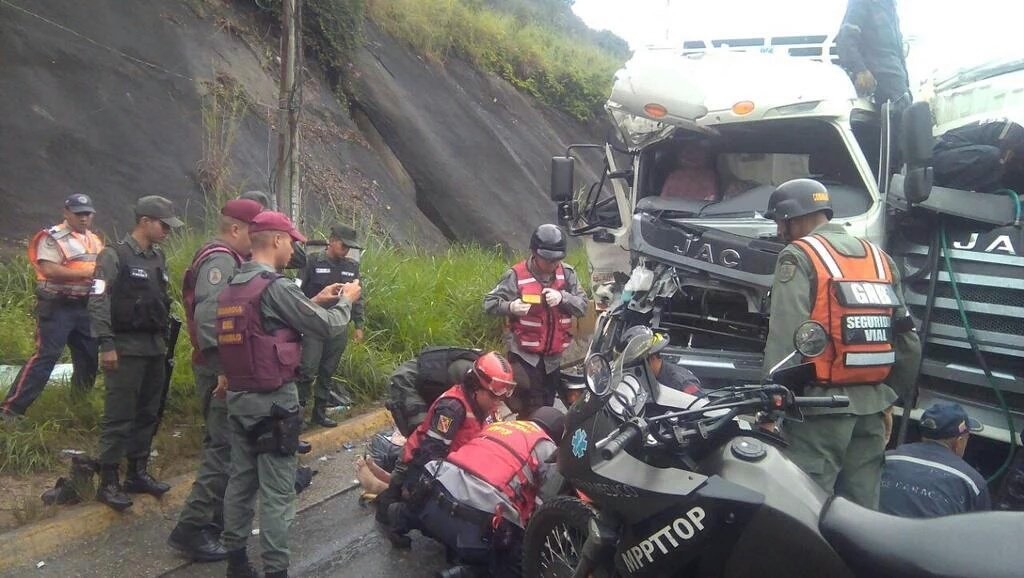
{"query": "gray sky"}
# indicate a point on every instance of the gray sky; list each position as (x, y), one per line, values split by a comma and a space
(946, 34)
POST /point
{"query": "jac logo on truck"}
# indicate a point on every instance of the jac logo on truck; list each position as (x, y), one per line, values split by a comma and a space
(665, 539)
(1000, 244)
(705, 252)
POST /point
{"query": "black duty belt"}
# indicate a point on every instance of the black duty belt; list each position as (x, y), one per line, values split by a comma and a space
(461, 511)
(58, 299)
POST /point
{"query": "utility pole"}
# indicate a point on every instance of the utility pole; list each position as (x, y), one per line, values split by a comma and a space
(287, 174)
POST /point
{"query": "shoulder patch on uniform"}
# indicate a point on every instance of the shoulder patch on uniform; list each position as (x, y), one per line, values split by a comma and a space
(215, 276)
(444, 423)
(787, 269)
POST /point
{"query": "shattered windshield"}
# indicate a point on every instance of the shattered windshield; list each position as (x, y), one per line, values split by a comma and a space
(733, 173)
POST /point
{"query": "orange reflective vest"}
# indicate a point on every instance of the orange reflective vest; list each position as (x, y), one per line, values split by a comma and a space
(544, 330)
(855, 300)
(78, 251)
(502, 455)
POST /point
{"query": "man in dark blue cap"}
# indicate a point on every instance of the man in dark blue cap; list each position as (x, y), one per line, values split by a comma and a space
(64, 257)
(930, 478)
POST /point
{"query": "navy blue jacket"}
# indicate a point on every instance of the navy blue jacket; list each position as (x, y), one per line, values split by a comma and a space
(926, 479)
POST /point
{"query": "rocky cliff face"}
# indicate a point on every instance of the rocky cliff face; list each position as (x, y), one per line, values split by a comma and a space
(122, 99)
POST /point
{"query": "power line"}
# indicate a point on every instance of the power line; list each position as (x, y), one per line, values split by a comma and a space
(91, 41)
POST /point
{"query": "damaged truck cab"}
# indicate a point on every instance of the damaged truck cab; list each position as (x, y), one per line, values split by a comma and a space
(676, 238)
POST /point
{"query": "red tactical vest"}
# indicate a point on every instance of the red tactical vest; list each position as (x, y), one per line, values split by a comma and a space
(252, 359)
(544, 330)
(502, 455)
(470, 428)
(188, 291)
(78, 251)
(855, 301)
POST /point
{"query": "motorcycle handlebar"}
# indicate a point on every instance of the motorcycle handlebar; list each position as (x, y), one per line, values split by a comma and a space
(829, 401)
(611, 446)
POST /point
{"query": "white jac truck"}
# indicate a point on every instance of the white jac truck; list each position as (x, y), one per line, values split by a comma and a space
(774, 110)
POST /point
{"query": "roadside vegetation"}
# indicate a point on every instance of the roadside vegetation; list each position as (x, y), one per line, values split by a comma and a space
(538, 46)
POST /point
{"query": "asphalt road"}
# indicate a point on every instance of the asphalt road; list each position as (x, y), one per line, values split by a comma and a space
(332, 536)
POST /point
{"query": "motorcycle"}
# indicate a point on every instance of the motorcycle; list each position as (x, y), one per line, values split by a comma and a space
(668, 484)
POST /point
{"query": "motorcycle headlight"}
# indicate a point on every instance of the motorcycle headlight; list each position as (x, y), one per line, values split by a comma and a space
(628, 397)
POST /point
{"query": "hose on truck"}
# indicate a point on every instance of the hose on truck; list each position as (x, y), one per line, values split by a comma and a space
(973, 340)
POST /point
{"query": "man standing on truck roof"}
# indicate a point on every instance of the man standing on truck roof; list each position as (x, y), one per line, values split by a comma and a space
(870, 47)
(853, 289)
(540, 296)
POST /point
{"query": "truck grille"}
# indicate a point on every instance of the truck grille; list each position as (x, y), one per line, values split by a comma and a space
(979, 321)
(974, 293)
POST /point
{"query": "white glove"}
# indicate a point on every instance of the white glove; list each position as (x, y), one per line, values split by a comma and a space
(518, 308)
(553, 297)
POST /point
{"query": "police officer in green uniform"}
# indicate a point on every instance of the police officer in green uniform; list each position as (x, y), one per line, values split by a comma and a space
(197, 534)
(842, 449)
(261, 317)
(320, 358)
(129, 311)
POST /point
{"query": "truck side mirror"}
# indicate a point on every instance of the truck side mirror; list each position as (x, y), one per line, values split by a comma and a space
(561, 178)
(916, 143)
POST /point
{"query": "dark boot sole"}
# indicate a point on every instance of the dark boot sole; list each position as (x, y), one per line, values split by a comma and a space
(131, 490)
(115, 507)
(193, 555)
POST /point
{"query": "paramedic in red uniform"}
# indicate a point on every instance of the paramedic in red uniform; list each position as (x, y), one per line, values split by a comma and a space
(486, 491)
(452, 420)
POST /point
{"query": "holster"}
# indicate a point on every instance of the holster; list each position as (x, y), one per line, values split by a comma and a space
(278, 433)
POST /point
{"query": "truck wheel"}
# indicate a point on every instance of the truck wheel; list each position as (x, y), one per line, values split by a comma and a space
(553, 544)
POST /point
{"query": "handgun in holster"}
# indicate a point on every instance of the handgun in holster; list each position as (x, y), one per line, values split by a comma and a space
(279, 433)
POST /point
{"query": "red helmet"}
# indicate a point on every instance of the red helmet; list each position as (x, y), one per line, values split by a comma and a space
(495, 374)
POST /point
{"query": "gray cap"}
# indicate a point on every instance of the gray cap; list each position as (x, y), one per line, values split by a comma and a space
(157, 207)
(346, 235)
(258, 196)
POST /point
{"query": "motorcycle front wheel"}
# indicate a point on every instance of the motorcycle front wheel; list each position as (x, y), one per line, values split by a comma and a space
(553, 545)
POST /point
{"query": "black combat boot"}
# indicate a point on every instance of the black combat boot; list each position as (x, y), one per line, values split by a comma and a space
(278, 574)
(239, 566)
(200, 545)
(138, 481)
(110, 492)
(320, 415)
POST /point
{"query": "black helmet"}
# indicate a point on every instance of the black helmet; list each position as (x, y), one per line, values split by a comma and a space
(259, 196)
(548, 242)
(551, 420)
(797, 198)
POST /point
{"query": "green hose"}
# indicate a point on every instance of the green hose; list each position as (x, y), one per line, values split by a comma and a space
(974, 343)
(1016, 200)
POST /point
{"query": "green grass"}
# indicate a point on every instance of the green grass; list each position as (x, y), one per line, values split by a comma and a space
(563, 65)
(413, 299)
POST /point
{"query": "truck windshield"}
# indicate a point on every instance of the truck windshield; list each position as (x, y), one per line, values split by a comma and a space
(734, 172)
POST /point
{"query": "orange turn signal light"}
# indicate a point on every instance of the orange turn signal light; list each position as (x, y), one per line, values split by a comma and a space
(655, 110)
(743, 107)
